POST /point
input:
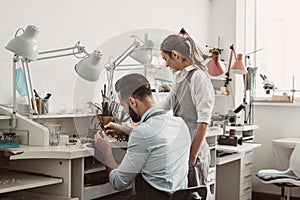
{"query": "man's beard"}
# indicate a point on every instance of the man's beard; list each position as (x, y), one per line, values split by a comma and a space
(135, 117)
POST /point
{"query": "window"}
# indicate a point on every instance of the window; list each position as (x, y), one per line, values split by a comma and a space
(278, 33)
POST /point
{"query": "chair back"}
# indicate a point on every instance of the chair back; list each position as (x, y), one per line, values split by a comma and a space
(295, 160)
(191, 193)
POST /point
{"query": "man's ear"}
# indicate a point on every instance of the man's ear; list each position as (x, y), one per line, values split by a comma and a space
(132, 101)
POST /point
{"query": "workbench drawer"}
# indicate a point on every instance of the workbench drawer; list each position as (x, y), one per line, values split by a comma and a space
(248, 153)
(246, 175)
(246, 188)
(247, 162)
(247, 196)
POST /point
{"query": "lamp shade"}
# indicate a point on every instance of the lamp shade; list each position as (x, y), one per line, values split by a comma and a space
(25, 45)
(238, 67)
(215, 66)
(143, 54)
(89, 67)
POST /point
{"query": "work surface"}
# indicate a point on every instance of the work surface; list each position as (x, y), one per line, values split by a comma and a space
(53, 152)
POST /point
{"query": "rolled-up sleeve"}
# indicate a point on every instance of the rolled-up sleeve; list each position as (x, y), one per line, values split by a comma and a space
(203, 96)
(131, 165)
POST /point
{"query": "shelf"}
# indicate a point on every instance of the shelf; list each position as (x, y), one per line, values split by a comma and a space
(246, 127)
(92, 169)
(5, 117)
(70, 115)
(11, 181)
(96, 191)
(276, 104)
(214, 131)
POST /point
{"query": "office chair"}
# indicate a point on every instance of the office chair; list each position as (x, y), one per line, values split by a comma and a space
(191, 193)
(284, 179)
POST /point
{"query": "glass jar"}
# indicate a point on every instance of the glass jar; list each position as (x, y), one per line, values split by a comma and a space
(54, 132)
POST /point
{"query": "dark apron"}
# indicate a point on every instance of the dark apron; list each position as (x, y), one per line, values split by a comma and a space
(145, 191)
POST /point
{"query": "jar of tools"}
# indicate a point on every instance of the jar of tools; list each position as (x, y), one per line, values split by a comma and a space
(42, 106)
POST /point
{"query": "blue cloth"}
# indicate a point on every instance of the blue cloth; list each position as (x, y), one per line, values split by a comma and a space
(21, 82)
(159, 150)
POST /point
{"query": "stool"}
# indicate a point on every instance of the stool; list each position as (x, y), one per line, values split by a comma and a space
(284, 179)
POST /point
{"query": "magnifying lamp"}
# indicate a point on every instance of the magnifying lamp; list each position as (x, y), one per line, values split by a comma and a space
(90, 68)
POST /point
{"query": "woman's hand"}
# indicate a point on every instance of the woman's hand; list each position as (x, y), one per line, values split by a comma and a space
(193, 159)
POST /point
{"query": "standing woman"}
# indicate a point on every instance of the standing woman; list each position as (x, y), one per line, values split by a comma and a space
(191, 97)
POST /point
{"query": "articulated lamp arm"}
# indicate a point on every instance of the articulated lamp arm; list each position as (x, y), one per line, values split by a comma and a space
(76, 49)
(114, 64)
(232, 53)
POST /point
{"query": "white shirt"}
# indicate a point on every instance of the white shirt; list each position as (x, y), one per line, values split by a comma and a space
(159, 150)
(202, 93)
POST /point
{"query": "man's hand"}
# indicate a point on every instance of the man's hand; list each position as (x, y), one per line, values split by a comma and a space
(102, 143)
(114, 128)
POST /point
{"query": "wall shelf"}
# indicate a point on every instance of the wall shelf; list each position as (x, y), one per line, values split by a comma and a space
(69, 115)
(5, 117)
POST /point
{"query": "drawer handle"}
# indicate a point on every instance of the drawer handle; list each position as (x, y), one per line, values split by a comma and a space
(247, 176)
(247, 188)
(250, 163)
(247, 152)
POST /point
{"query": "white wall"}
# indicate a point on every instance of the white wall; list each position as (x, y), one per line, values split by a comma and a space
(62, 23)
(229, 21)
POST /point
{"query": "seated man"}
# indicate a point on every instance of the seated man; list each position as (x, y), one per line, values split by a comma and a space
(158, 148)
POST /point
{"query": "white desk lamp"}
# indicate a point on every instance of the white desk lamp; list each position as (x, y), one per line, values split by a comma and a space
(88, 68)
(23, 46)
(25, 49)
(143, 53)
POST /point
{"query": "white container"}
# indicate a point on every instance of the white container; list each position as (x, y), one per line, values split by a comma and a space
(63, 140)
